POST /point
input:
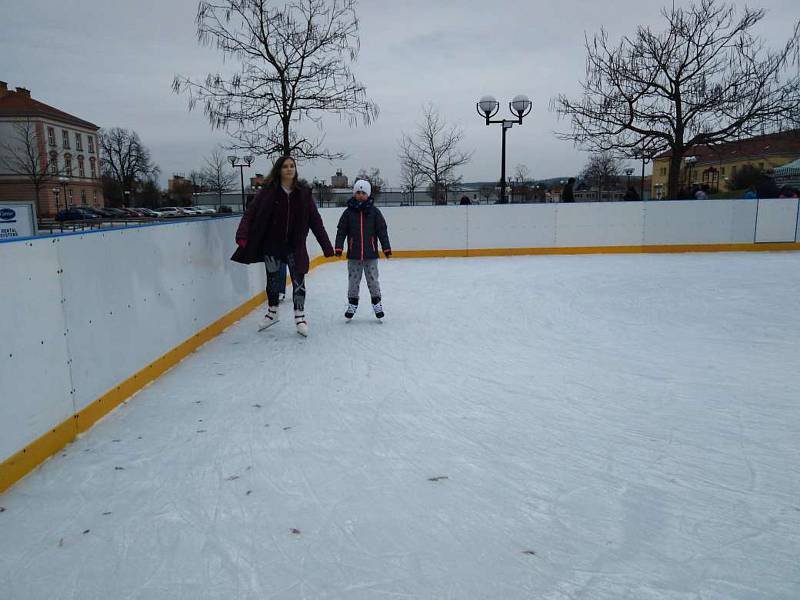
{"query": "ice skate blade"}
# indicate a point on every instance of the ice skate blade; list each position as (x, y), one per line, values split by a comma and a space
(264, 326)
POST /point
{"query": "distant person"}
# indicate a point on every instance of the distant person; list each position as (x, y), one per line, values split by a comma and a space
(631, 194)
(464, 201)
(787, 192)
(751, 193)
(700, 193)
(568, 193)
(273, 230)
(363, 226)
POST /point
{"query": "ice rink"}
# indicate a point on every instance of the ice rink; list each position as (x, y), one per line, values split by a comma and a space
(597, 427)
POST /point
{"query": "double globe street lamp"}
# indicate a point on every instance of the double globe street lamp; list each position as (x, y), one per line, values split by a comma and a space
(487, 107)
(246, 161)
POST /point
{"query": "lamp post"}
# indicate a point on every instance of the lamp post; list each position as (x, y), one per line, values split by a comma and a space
(246, 161)
(690, 161)
(63, 181)
(56, 193)
(318, 187)
(487, 107)
(628, 172)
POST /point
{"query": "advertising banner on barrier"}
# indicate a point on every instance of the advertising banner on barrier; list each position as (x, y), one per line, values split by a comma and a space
(17, 220)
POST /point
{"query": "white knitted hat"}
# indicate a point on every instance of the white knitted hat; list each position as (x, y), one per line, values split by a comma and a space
(362, 186)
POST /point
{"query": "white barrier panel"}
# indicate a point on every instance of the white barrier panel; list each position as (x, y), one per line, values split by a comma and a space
(776, 220)
(34, 371)
(88, 311)
(699, 222)
(427, 227)
(511, 226)
(148, 290)
(599, 224)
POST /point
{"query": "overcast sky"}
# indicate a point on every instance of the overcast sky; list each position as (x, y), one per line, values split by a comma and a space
(113, 62)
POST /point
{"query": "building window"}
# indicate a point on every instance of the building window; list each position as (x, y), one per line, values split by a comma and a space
(78, 142)
(83, 197)
(93, 166)
(65, 137)
(733, 171)
(54, 163)
(51, 136)
(81, 170)
(761, 166)
(68, 164)
(91, 144)
(722, 170)
(94, 196)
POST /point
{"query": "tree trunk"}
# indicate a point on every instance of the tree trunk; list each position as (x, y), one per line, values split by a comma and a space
(673, 184)
(286, 143)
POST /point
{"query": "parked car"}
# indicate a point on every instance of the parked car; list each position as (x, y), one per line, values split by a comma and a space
(116, 213)
(102, 211)
(91, 210)
(146, 212)
(205, 210)
(74, 213)
(169, 212)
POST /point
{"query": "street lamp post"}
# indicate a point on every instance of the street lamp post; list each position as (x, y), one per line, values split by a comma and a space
(690, 161)
(63, 181)
(628, 172)
(56, 193)
(246, 161)
(318, 188)
(487, 107)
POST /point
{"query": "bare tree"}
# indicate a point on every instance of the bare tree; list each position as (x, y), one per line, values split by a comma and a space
(601, 170)
(22, 157)
(411, 178)
(295, 64)
(705, 80)
(522, 174)
(126, 162)
(216, 177)
(433, 151)
(487, 191)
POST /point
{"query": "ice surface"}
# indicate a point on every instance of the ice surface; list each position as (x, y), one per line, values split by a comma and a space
(563, 427)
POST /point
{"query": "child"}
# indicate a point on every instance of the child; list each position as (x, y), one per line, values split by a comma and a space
(362, 224)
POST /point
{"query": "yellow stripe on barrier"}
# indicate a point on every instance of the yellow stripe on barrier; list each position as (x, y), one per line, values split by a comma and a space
(26, 460)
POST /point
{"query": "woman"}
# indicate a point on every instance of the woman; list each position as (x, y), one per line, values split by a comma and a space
(274, 230)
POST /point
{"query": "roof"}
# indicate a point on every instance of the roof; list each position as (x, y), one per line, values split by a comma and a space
(785, 142)
(789, 170)
(17, 104)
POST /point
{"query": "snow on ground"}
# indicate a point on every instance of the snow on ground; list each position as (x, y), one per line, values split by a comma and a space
(565, 427)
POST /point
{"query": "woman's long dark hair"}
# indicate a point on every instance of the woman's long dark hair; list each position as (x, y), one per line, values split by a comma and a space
(274, 179)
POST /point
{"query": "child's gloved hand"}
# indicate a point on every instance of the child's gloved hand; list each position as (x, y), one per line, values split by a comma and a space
(338, 253)
(387, 253)
(241, 243)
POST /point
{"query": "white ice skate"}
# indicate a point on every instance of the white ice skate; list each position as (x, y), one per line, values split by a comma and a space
(300, 322)
(378, 308)
(269, 319)
(351, 311)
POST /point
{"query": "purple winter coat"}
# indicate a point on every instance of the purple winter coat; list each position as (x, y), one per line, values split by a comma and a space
(257, 222)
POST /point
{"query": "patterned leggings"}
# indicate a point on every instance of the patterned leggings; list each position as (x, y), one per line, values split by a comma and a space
(370, 269)
(276, 281)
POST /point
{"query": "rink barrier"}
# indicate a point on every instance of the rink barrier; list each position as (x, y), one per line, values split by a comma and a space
(35, 453)
(26, 460)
